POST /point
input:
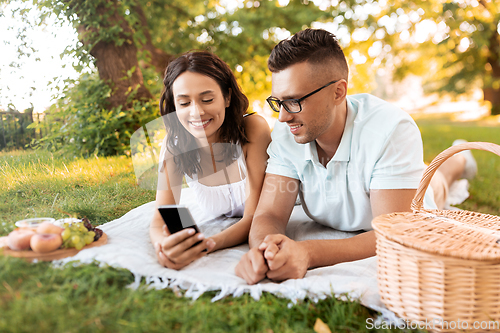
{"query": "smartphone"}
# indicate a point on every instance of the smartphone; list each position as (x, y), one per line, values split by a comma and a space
(178, 218)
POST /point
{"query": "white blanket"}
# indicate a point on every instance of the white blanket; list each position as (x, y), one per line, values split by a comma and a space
(129, 247)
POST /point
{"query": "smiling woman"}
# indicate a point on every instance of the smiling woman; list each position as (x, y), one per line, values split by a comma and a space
(211, 143)
(200, 105)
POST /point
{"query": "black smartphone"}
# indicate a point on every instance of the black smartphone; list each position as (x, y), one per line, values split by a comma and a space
(178, 218)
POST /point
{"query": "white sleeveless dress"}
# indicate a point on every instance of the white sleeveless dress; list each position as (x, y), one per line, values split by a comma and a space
(226, 199)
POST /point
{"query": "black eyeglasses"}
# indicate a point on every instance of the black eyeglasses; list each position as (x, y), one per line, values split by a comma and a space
(292, 105)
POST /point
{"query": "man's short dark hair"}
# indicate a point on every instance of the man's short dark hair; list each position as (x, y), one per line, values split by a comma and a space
(316, 46)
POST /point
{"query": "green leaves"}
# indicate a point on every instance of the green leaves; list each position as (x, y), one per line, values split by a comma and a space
(81, 124)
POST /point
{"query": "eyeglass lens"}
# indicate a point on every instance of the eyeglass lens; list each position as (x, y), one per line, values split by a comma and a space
(291, 105)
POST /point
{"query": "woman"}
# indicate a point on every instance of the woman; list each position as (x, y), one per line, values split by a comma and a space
(209, 138)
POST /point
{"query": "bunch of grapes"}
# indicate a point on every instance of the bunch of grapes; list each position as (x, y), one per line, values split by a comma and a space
(90, 227)
(76, 235)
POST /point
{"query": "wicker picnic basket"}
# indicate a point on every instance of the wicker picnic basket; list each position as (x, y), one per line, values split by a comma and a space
(441, 266)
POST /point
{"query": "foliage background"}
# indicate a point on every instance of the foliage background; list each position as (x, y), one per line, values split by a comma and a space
(91, 298)
(124, 47)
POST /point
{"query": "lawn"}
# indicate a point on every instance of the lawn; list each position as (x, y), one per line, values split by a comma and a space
(438, 132)
(88, 298)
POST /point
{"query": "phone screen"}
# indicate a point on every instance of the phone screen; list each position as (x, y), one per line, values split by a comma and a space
(177, 218)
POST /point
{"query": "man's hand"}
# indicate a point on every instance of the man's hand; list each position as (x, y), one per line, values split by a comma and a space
(286, 258)
(252, 266)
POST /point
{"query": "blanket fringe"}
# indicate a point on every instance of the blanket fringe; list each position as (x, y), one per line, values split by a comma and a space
(195, 290)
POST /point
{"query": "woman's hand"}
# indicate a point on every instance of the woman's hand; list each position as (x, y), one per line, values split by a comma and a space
(177, 250)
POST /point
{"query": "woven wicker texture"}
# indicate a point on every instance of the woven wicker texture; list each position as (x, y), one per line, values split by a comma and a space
(420, 286)
(460, 234)
(441, 265)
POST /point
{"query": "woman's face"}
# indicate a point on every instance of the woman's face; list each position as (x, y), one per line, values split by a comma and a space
(199, 104)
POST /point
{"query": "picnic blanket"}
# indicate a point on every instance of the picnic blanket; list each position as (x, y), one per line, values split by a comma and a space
(129, 247)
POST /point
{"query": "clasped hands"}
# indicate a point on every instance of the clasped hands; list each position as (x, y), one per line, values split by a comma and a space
(278, 258)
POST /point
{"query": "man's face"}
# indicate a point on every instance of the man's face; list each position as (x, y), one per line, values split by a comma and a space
(317, 113)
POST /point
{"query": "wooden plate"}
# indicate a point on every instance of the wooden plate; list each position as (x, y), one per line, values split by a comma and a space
(54, 255)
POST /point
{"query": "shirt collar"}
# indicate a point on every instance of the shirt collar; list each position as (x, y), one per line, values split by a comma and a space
(343, 152)
(310, 153)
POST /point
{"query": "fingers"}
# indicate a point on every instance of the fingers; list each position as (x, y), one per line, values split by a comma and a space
(272, 245)
(162, 259)
(167, 233)
(291, 262)
(270, 250)
(281, 274)
(179, 249)
(179, 242)
(278, 260)
(187, 251)
(259, 266)
(252, 266)
(291, 270)
(180, 262)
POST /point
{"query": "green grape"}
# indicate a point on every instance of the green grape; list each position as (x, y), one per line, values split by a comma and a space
(75, 239)
(76, 235)
(88, 239)
(66, 234)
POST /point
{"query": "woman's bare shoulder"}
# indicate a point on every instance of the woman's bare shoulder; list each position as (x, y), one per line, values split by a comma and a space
(256, 126)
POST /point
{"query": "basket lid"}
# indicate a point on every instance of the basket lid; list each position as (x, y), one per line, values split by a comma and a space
(459, 234)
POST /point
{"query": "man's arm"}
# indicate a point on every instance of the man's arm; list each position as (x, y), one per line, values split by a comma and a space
(289, 259)
(271, 217)
(275, 206)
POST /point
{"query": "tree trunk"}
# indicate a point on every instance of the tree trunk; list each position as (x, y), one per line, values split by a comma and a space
(493, 96)
(492, 93)
(158, 58)
(117, 64)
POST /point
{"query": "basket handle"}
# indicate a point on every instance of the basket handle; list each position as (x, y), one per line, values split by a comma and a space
(418, 201)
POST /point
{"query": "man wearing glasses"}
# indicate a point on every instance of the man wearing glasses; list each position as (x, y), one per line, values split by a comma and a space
(350, 158)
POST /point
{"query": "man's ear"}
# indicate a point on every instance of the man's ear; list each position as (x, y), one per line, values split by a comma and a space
(228, 98)
(340, 91)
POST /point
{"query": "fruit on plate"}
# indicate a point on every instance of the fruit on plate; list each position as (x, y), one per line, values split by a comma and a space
(90, 227)
(49, 228)
(48, 237)
(77, 235)
(43, 243)
(20, 238)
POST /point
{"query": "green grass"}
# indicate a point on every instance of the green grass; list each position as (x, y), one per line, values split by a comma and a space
(38, 184)
(37, 297)
(89, 298)
(439, 132)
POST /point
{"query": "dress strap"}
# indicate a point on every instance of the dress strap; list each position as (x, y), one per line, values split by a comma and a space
(249, 114)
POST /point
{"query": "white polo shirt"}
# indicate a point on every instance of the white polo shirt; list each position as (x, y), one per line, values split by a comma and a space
(381, 148)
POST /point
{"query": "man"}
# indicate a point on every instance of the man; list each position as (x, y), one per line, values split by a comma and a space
(350, 158)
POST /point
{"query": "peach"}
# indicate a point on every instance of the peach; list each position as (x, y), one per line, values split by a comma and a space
(20, 239)
(42, 243)
(49, 228)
